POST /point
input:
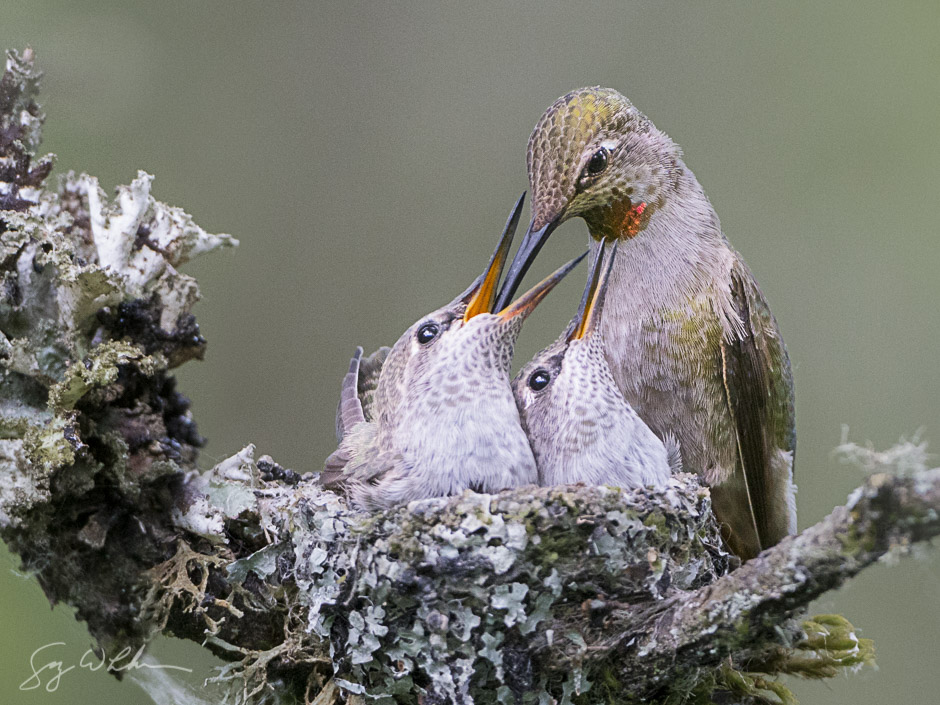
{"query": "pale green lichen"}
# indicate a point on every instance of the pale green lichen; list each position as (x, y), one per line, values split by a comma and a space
(98, 370)
(92, 431)
(70, 263)
(139, 239)
(51, 446)
(907, 456)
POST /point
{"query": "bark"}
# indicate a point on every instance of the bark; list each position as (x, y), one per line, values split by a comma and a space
(538, 595)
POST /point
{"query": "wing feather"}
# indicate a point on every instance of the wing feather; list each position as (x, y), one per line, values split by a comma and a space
(759, 389)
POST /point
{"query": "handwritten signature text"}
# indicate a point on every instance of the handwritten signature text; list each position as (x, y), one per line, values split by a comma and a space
(48, 672)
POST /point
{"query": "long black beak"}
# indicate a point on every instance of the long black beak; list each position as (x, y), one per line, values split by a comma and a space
(528, 250)
(592, 301)
(481, 295)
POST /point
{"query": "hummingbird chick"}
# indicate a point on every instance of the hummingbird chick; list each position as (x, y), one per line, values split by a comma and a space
(690, 340)
(441, 418)
(580, 427)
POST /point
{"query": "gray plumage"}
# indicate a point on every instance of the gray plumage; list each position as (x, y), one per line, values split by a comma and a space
(579, 425)
(441, 418)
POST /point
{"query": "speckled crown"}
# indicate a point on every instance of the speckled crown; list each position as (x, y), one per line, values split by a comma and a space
(561, 134)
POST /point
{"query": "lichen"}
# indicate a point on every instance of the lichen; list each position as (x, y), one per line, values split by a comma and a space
(453, 598)
(93, 315)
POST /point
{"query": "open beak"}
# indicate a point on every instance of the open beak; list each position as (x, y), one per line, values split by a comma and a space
(531, 244)
(592, 301)
(481, 297)
(526, 303)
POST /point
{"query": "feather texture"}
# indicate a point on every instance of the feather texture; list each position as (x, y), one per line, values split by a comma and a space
(758, 387)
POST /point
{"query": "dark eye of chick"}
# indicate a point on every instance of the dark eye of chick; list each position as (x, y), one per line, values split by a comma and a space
(539, 380)
(598, 162)
(428, 332)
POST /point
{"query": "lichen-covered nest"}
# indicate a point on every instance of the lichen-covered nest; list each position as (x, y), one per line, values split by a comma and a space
(468, 598)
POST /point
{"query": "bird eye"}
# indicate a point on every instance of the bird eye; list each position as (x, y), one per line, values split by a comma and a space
(598, 162)
(428, 332)
(539, 380)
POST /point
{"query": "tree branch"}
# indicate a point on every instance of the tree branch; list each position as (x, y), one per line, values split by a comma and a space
(744, 609)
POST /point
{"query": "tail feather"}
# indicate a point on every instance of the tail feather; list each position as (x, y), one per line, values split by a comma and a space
(349, 412)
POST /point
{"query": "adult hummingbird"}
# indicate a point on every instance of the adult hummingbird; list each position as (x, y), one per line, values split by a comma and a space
(689, 337)
(441, 417)
(579, 425)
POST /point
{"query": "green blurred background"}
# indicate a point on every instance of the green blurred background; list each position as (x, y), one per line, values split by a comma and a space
(367, 154)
